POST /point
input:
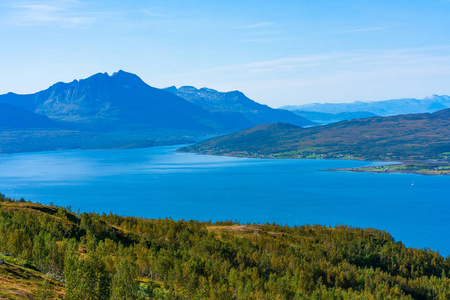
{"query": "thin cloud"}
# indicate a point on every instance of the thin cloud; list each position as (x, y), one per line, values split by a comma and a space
(153, 14)
(367, 74)
(361, 59)
(266, 66)
(261, 33)
(277, 64)
(261, 40)
(256, 25)
(266, 32)
(368, 29)
(61, 13)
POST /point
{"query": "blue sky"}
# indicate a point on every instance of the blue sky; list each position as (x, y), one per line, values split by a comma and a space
(278, 53)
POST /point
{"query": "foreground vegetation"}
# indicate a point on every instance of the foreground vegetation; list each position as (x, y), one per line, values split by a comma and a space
(99, 256)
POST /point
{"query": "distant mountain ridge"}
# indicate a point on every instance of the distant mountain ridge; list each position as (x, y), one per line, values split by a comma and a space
(237, 102)
(326, 118)
(121, 101)
(412, 136)
(380, 108)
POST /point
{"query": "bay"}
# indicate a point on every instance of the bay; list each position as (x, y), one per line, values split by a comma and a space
(158, 182)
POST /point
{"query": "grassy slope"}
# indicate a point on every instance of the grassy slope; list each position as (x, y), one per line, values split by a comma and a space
(18, 280)
(415, 136)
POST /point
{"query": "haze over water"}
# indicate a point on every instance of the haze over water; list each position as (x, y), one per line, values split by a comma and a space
(158, 182)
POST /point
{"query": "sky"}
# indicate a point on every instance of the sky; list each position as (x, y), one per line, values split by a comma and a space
(276, 52)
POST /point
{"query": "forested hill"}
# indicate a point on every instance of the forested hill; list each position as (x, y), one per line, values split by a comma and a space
(414, 136)
(93, 256)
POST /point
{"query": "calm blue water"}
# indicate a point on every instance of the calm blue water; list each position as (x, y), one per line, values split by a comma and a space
(157, 182)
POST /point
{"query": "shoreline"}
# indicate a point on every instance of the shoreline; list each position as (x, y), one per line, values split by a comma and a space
(358, 170)
(403, 168)
(429, 167)
(157, 144)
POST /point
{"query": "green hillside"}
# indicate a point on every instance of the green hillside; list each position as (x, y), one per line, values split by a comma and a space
(403, 137)
(98, 256)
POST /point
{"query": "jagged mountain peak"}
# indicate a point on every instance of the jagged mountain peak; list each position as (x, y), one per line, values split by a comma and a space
(203, 91)
(237, 102)
(121, 74)
(171, 89)
(97, 76)
(187, 89)
(235, 93)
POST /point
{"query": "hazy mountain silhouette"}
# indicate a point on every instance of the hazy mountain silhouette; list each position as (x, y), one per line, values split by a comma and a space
(16, 118)
(380, 108)
(326, 118)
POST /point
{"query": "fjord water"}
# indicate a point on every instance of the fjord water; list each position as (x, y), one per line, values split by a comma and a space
(158, 182)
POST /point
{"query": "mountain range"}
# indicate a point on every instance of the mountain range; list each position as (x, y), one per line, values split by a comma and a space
(412, 136)
(380, 108)
(121, 110)
(123, 101)
(120, 102)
